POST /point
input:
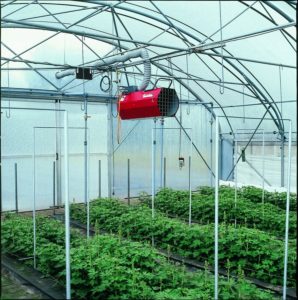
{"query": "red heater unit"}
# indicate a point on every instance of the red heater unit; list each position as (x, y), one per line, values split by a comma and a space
(159, 102)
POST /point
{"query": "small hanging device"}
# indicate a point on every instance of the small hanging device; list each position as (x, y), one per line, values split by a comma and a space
(181, 162)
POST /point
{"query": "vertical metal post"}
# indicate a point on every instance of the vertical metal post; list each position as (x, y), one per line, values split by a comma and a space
(211, 151)
(164, 172)
(85, 149)
(153, 172)
(263, 171)
(58, 152)
(189, 189)
(16, 186)
(161, 150)
(66, 210)
(236, 176)
(33, 213)
(284, 294)
(128, 182)
(282, 160)
(99, 179)
(110, 149)
(54, 187)
(216, 209)
(87, 188)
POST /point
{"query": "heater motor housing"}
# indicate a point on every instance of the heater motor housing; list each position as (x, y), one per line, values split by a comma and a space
(159, 102)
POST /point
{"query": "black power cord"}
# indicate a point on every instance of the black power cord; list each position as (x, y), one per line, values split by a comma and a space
(108, 83)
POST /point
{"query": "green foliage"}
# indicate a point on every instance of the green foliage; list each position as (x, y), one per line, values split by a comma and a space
(279, 199)
(259, 254)
(267, 217)
(255, 195)
(105, 267)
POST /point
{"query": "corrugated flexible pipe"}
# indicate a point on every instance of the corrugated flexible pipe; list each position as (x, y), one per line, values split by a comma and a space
(143, 53)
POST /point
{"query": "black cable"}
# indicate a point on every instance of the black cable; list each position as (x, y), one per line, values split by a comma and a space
(102, 82)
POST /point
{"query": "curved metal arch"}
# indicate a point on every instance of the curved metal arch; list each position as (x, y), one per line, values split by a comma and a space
(108, 41)
(253, 91)
(105, 4)
(278, 10)
(268, 19)
(276, 120)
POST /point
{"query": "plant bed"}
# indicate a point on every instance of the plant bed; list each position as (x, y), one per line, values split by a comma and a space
(250, 249)
(267, 217)
(255, 195)
(108, 267)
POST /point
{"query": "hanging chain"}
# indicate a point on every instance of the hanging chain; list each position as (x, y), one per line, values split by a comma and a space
(221, 87)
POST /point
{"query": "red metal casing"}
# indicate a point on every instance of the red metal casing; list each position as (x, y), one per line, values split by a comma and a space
(159, 102)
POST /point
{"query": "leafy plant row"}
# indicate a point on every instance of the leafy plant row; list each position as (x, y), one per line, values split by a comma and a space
(255, 195)
(265, 217)
(108, 267)
(257, 253)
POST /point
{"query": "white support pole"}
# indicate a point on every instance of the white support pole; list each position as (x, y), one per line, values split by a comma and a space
(153, 168)
(216, 209)
(263, 172)
(161, 151)
(189, 181)
(34, 204)
(87, 184)
(284, 294)
(236, 177)
(153, 172)
(189, 188)
(66, 209)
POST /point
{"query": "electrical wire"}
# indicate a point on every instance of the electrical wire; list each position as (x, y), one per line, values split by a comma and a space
(102, 82)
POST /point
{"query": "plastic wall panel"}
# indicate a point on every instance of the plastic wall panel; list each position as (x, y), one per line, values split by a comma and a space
(17, 147)
(138, 148)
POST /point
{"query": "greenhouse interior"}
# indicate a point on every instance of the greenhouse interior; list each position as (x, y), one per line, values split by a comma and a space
(148, 150)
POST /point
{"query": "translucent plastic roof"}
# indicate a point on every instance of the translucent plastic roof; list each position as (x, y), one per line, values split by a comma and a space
(239, 55)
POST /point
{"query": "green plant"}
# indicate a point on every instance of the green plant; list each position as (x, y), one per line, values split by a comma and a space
(251, 248)
(265, 217)
(105, 267)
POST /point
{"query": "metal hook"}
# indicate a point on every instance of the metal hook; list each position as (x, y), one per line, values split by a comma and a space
(82, 106)
(221, 87)
(7, 113)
